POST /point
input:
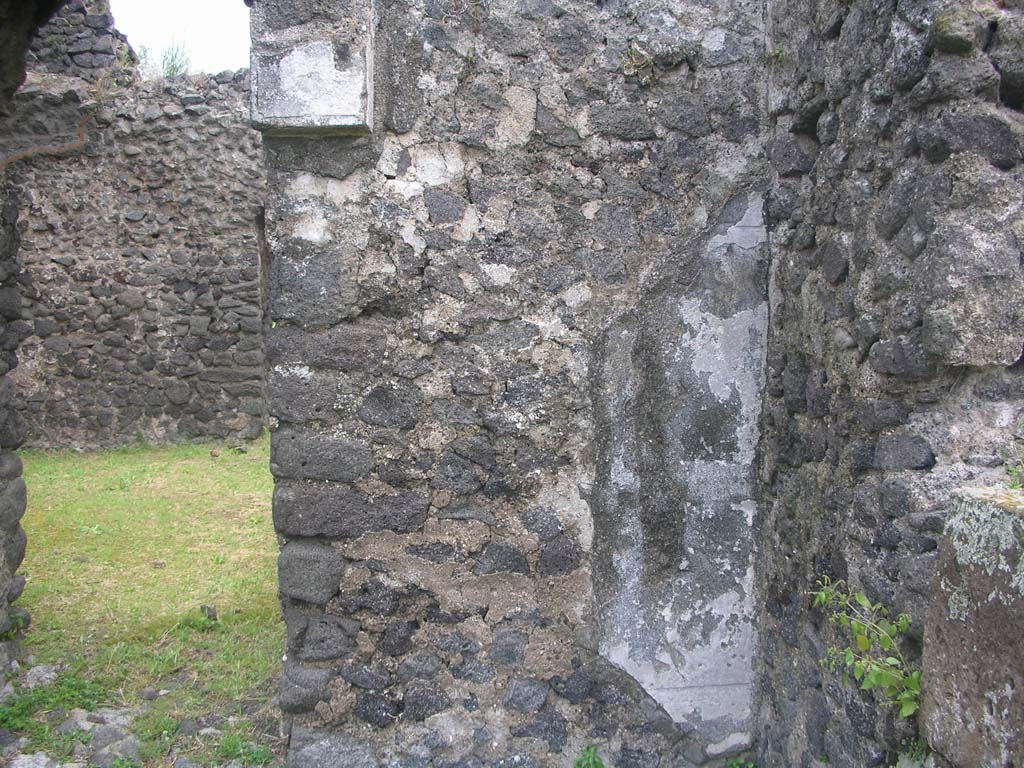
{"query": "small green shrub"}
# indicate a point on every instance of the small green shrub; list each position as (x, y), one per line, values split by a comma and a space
(776, 54)
(22, 712)
(636, 62)
(874, 659)
(738, 762)
(913, 754)
(69, 691)
(1013, 458)
(588, 758)
(18, 622)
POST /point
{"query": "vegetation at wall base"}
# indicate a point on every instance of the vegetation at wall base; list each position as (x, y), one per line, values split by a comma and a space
(588, 758)
(1013, 458)
(874, 661)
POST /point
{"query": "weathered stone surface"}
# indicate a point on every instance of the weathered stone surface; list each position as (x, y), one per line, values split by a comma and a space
(885, 337)
(301, 455)
(342, 348)
(327, 637)
(422, 700)
(525, 695)
(313, 748)
(379, 711)
(321, 85)
(21, 22)
(975, 628)
(903, 451)
(310, 571)
(586, 424)
(501, 558)
(339, 512)
(302, 687)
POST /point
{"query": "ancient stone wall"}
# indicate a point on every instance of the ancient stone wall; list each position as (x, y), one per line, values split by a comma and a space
(81, 40)
(141, 277)
(19, 20)
(971, 713)
(12, 432)
(894, 370)
(515, 477)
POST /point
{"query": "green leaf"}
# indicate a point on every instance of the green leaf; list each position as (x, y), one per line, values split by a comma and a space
(908, 708)
(863, 643)
(862, 601)
(892, 660)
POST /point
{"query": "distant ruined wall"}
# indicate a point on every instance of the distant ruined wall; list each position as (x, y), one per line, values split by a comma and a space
(515, 476)
(19, 20)
(80, 40)
(141, 282)
(141, 263)
(894, 371)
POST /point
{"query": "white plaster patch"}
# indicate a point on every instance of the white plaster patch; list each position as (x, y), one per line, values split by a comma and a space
(699, 680)
(305, 88)
(301, 372)
(573, 512)
(730, 351)
(748, 232)
(515, 126)
(307, 186)
(435, 164)
(410, 238)
(407, 190)
(495, 218)
(576, 295)
(312, 227)
(714, 40)
(500, 274)
(389, 156)
(467, 228)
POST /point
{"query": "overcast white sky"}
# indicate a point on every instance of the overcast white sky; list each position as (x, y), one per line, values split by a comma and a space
(215, 32)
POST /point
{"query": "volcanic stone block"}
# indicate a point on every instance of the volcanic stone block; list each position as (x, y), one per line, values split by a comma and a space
(328, 637)
(501, 558)
(310, 571)
(12, 502)
(314, 288)
(525, 695)
(974, 637)
(903, 451)
(375, 709)
(339, 512)
(345, 347)
(320, 749)
(299, 455)
(388, 406)
(974, 315)
(423, 700)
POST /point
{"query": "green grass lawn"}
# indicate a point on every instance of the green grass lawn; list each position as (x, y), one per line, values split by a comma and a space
(124, 548)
